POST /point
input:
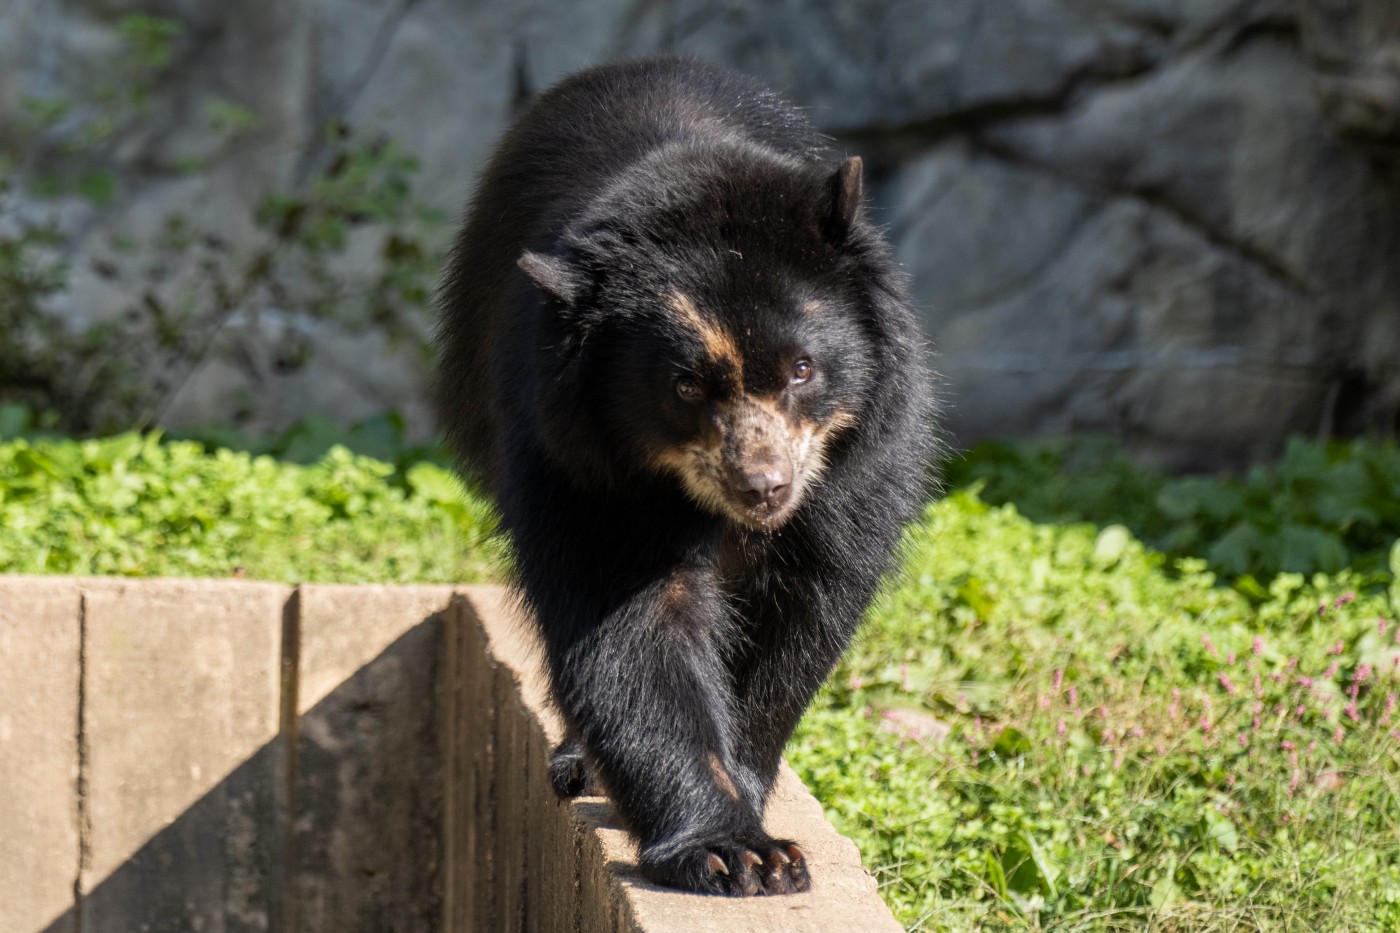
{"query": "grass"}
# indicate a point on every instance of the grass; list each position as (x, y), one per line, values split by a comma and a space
(1130, 745)
(1045, 725)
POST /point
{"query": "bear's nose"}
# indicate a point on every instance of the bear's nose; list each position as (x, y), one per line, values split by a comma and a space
(768, 486)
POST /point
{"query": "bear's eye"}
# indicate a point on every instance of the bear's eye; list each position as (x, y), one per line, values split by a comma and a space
(801, 371)
(688, 389)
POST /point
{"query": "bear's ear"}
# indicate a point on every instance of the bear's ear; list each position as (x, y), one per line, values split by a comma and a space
(844, 190)
(554, 276)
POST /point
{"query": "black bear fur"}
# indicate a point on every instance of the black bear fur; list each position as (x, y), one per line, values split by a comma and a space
(682, 361)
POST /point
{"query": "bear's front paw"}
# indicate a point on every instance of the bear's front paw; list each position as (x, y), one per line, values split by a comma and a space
(570, 772)
(741, 865)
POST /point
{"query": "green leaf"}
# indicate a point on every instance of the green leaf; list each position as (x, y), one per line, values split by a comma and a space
(1235, 552)
(14, 420)
(1026, 868)
(1011, 742)
(1310, 550)
(1395, 577)
(1110, 545)
(1221, 830)
(99, 187)
(1199, 495)
(1164, 890)
(228, 117)
(1250, 588)
(434, 483)
(972, 592)
(994, 875)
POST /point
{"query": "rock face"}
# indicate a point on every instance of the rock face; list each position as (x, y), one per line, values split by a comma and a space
(1177, 221)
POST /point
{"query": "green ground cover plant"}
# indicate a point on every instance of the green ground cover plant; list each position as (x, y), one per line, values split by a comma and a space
(1050, 727)
(1320, 507)
(1046, 725)
(135, 505)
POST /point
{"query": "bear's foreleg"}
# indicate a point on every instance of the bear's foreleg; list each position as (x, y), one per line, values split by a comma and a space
(650, 697)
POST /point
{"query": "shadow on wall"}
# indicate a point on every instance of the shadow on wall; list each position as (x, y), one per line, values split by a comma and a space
(336, 824)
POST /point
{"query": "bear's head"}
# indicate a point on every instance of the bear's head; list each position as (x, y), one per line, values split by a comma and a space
(710, 323)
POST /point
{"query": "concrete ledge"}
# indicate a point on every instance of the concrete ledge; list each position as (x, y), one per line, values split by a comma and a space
(225, 756)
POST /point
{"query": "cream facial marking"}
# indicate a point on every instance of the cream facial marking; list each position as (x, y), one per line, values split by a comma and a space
(718, 343)
(752, 435)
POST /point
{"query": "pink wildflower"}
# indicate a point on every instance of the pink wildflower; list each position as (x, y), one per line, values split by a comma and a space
(1337, 735)
(1380, 626)
(1338, 648)
(1230, 781)
(1044, 702)
(1209, 646)
(1073, 696)
(1343, 600)
(1351, 712)
(1330, 672)
(1305, 681)
(1258, 646)
(1230, 659)
(1362, 673)
(1258, 688)
(1057, 679)
(1389, 707)
(1226, 683)
(1061, 729)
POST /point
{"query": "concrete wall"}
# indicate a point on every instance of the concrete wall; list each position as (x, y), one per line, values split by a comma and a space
(224, 756)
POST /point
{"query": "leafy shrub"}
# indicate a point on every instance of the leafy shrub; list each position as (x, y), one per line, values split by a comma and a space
(1322, 507)
(136, 506)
